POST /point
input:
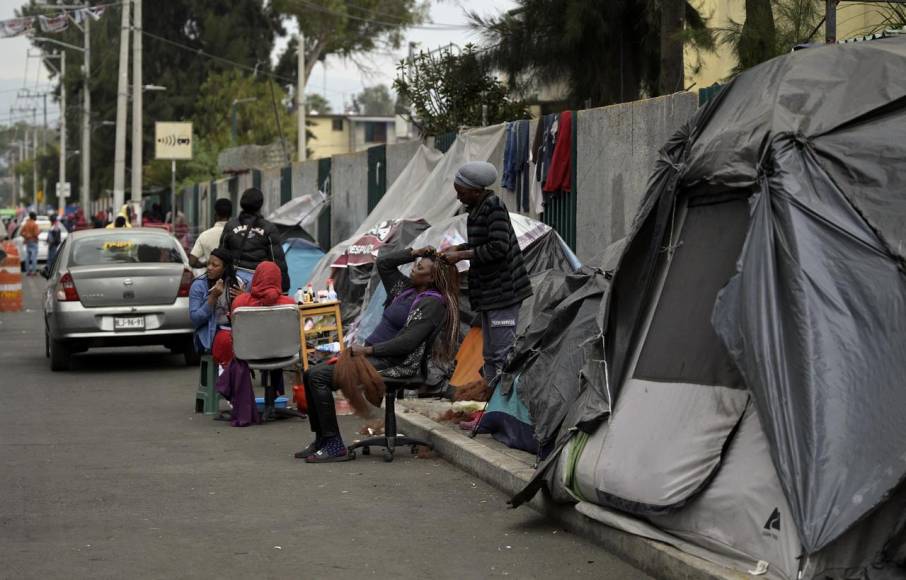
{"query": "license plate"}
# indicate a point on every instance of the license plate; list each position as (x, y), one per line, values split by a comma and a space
(129, 323)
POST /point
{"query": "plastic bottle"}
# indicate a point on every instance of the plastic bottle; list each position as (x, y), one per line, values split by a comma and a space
(331, 293)
(300, 296)
(311, 293)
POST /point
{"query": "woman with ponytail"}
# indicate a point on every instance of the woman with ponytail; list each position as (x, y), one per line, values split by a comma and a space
(419, 306)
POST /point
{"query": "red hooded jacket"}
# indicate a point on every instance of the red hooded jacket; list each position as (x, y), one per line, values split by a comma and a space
(266, 288)
(266, 291)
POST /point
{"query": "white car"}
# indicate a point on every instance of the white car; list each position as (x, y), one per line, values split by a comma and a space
(44, 225)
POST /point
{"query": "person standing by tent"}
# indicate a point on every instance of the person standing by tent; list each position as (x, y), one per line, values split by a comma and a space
(251, 239)
(498, 281)
(209, 239)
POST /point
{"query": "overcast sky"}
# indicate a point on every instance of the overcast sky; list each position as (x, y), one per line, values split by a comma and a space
(338, 81)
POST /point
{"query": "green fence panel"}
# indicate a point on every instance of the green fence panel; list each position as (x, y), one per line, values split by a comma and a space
(233, 187)
(286, 184)
(377, 175)
(256, 179)
(708, 93)
(443, 142)
(324, 218)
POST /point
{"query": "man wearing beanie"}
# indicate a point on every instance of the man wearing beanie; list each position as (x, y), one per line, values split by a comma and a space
(498, 282)
(251, 239)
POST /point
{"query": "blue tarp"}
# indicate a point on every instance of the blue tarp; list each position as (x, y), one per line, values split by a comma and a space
(301, 258)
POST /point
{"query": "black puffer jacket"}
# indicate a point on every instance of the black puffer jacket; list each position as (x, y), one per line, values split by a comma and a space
(263, 244)
(497, 276)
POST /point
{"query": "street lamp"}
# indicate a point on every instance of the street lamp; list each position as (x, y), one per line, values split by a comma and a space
(234, 121)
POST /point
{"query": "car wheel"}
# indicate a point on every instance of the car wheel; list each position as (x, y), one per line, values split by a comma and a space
(59, 355)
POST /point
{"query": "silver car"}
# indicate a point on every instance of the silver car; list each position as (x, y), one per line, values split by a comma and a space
(118, 287)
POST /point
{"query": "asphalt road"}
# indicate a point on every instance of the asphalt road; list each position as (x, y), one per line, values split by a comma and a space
(108, 473)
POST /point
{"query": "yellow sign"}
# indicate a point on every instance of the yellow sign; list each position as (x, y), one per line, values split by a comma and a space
(39, 195)
(173, 140)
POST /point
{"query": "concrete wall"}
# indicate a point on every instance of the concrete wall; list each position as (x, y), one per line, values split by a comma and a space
(398, 156)
(270, 187)
(305, 178)
(349, 194)
(617, 148)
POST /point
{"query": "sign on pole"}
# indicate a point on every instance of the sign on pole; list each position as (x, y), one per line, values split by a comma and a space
(63, 189)
(172, 140)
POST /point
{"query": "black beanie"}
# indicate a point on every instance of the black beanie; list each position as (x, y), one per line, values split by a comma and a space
(252, 200)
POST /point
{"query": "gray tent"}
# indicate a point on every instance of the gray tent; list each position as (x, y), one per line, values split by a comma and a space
(745, 400)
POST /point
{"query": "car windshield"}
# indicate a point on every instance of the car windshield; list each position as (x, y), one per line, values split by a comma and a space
(124, 249)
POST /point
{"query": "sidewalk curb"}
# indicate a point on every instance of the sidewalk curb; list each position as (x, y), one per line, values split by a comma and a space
(510, 475)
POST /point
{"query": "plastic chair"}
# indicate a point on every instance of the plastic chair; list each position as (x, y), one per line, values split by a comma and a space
(207, 399)
(267, 338)
(391, 439)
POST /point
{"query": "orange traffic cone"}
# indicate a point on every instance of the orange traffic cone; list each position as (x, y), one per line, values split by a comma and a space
(10, 280)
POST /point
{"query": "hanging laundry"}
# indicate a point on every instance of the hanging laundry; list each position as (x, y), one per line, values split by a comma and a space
(542, 152)
(559, 175)
(516, 162)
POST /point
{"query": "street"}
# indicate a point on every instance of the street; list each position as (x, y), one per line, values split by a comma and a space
(108, 473)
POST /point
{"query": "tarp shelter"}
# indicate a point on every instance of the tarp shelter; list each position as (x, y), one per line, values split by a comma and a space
(301, 258)
(298, 218)
(745, 401)
(423, 190)
(542, 247)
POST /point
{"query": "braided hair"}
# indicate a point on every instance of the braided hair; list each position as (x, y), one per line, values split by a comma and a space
(446, 281)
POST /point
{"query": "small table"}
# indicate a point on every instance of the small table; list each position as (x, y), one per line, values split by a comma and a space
(319, 311)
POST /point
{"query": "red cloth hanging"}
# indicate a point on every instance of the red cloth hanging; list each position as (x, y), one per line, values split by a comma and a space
(560, 173)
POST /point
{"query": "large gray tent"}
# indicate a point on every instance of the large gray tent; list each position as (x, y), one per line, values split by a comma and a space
(746, 400)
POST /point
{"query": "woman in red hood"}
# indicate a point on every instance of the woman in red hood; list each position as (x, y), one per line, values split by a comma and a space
(266, 288)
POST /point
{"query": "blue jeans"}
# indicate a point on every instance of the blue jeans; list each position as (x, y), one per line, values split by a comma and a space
(31, 257)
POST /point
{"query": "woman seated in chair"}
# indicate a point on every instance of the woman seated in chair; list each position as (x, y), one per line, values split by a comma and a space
(417, 308)
(210, 296)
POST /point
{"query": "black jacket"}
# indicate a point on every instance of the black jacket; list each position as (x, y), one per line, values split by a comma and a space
(263, 244)
(497, 276)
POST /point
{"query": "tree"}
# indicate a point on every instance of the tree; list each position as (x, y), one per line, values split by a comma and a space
(374, 101)
(449, 91)
(316, 104)
(235, 35)
(346, 29)
(603, 52)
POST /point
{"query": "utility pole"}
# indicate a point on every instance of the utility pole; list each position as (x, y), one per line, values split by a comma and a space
(24, 157)
(85, 190)
(137, 111)
(300, 97)
(34, 149)
(44, 144)
(61, 201)
(119, 156)
(830, 21)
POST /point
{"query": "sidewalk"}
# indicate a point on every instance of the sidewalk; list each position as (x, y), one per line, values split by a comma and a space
(510, 469)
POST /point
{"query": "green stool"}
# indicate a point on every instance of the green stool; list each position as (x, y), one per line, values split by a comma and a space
(207, 399)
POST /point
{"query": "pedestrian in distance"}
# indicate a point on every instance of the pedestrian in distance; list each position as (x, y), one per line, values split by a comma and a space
(54, 239)
(209, 239)
(30, 233)
(251, 239)
(498, 281)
